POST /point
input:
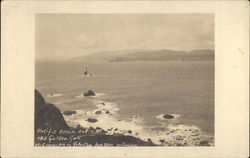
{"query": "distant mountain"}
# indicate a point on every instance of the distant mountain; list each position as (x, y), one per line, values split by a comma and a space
(106, 55)
(151, 55)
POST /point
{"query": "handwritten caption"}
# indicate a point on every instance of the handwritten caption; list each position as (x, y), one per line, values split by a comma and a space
(55, 137)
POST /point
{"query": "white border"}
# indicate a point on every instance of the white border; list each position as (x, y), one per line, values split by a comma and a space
(231, 77)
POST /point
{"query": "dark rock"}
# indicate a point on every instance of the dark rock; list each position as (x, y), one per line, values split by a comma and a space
(39, 100)
(204, 143)
(129, 131)
(110, 129)
(115, 129)
(69, 112)
(47, 115)
(51, 94)
(98, 112)
(107, 112)
(179, 138)
(162, 141)
(92, 120)
(79, 127)
(89, 93)
(149, 140)
(168, 116)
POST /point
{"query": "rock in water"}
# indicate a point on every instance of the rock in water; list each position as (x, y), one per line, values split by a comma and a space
(162, 141)
(47, 115)
(89, 93)
(168, 116)
(69, 112)
(204, 143)
(92, 120)
(98, 112)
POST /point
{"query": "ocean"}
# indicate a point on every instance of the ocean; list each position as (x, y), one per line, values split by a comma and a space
(144, 90)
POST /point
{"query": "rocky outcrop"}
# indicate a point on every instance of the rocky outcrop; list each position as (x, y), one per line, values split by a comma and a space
(89, 93)
(69, 112)
(47, 115)
(92, 120)
(168, 116)
(49, 118)
(39, 100)
(98, 112)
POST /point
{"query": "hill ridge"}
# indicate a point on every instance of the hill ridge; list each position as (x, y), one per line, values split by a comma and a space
(149, 55)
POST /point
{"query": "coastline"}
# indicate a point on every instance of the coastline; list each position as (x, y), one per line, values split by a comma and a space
(102, 127)
(51, 129)
(106, 116)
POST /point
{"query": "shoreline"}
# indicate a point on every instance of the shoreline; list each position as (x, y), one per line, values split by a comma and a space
(102, 127)
(51, 129)
(106, 117)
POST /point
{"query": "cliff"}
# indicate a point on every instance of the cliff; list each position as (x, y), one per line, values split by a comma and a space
(51, 129)
(47, 115)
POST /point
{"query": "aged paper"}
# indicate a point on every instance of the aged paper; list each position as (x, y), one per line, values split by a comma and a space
(176, 83)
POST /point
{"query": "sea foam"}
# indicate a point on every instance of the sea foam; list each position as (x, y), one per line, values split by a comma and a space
(51, 95)
(107, 117)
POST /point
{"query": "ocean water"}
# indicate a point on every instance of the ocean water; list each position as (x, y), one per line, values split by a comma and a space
(142, 89)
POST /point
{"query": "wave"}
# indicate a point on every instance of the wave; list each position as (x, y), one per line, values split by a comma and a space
(79, 96)
(100, 94)
(51, 95)
(172, 135)
(106, 116)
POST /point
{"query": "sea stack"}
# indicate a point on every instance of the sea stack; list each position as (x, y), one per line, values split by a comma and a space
(168, 116)
(89, 93)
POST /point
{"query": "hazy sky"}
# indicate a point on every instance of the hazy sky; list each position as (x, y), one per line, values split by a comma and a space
(70, 35)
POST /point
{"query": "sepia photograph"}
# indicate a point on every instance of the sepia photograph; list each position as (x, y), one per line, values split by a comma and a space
(124, 80)
(120, 79)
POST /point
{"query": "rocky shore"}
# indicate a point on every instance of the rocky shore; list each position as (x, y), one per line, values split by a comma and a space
(106, 116)
(103, 127)
(51, 129)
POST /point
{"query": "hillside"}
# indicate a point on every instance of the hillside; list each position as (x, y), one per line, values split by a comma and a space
(105, 55)
(152, 55)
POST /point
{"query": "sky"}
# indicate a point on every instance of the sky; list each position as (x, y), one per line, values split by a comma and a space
(71, 35)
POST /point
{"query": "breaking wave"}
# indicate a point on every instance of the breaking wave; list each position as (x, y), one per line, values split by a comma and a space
(106, 116)
(53, 95)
